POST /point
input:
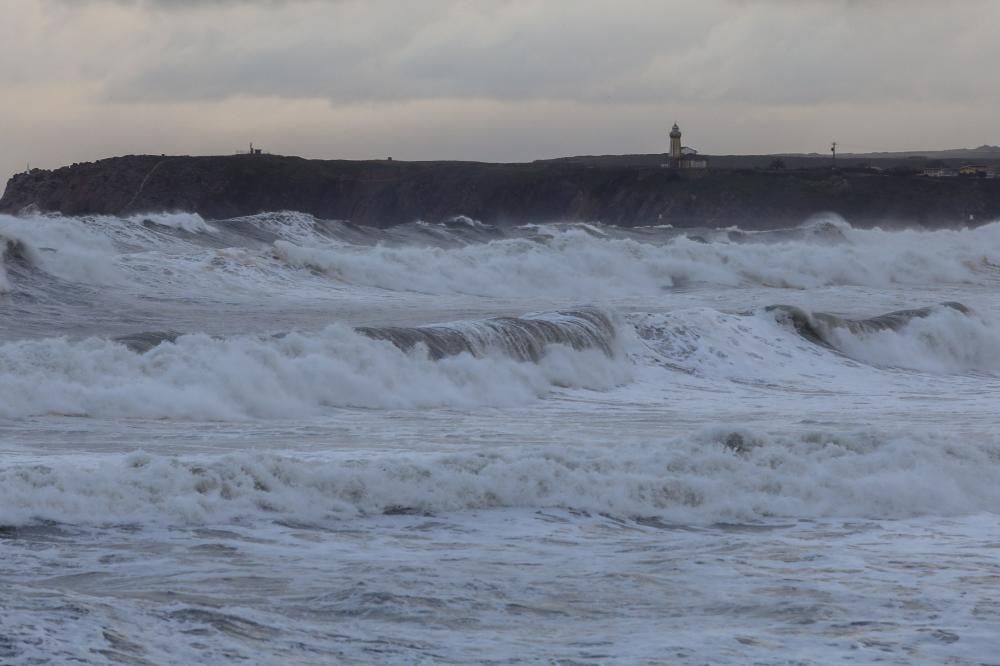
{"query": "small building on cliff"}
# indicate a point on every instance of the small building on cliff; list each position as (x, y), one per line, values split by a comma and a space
(978, 170)
(683, 157)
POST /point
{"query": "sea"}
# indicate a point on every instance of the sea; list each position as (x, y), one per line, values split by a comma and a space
(279, 439)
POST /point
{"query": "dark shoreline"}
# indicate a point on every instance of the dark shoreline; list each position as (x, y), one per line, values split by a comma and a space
(384, 193)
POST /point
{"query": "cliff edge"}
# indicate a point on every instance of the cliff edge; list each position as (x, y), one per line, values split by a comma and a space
(384, 193)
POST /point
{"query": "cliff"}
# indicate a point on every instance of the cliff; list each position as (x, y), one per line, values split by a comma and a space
(383, 193)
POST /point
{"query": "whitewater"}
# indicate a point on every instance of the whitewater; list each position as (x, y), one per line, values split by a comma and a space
(278, 439)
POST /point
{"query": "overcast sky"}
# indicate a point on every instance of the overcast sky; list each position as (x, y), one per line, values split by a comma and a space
(492, 79)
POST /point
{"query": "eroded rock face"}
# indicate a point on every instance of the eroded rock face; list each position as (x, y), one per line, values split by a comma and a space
(384, 193)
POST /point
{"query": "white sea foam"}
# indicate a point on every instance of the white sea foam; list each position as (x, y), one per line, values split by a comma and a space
(750, 349)
(712, 476)
(199, 377)
(576, 264)
(190, 222)
(4, 282)
(132, 255)
(293, 226)
(945, 341)
(579, 525)
(63, 247)
(755, 347)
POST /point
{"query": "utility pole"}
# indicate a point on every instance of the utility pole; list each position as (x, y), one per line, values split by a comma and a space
(833, 151)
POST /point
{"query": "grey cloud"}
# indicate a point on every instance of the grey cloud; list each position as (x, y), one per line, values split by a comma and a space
(183, 4)
(491, 79)
(770, 53)
(400, 61)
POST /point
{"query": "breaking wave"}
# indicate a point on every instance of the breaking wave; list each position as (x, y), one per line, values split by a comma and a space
(720, 475)
(946, 338)
(66, 249)
(578, 262)
(9, 249)
(493, 363)
(189, 222)
(525, 338)
(712, 476)
(789, 345)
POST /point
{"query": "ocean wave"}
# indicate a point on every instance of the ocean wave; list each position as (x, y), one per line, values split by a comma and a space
(64, 248)
(577, 264)
(716, 475)
(297, 227)
(580, 262)
(9, 250)
(945, 338)
(791, 346)
(500, 363)
(189, 222)
(523, 338)
(176, 256)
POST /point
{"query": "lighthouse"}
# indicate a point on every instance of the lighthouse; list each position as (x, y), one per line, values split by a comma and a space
(682, 157)
(675, 143)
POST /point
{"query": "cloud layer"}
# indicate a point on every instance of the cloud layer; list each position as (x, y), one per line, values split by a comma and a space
(499, 79)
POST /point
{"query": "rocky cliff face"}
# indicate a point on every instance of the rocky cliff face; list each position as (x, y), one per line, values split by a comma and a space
(383, 193)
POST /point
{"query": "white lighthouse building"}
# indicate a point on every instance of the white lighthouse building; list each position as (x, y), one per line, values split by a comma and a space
(675, 142)
(682, 157)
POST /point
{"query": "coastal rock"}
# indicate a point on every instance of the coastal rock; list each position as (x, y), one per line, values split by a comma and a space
(385, 193)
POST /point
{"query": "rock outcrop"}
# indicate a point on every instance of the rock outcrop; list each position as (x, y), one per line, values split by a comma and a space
(384, 193)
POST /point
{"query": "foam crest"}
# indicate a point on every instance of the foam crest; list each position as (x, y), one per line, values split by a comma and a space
(576, 263)
(523, 338)
(712, 476)
(63, 247)
(7, 247)
(747, 348)
(291, 226)
(189, 222)
(791, 346)
(572, 264)
(943, 340)
(198, 377)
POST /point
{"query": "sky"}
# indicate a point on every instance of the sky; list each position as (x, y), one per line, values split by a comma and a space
(495, 80)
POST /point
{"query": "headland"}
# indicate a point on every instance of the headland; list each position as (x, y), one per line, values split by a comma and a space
(623, 190)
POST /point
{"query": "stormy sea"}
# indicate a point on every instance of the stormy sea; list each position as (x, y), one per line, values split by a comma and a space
(284, 440)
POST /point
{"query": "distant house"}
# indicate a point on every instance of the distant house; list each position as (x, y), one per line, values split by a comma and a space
(980, 170)
(939, 173)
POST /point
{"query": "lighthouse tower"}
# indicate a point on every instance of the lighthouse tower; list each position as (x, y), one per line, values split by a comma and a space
(683, 157)
(675, 144)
